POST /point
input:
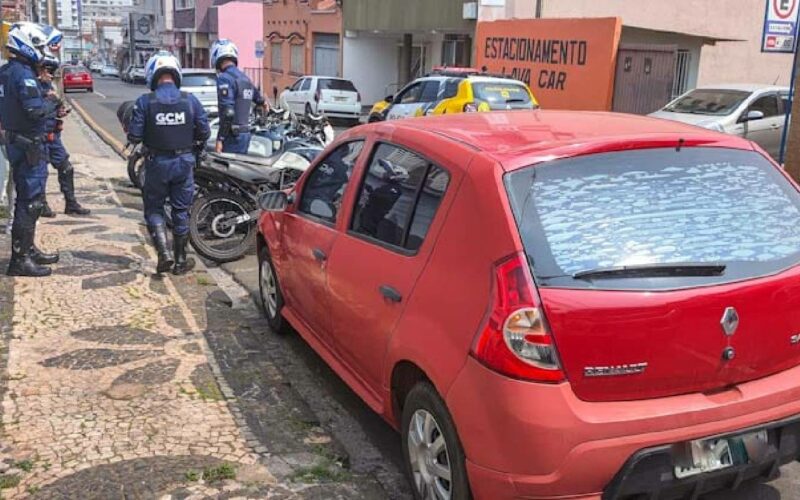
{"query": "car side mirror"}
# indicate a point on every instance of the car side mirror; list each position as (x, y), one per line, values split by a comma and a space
(273, 201)
(752, 115)
(389, 98)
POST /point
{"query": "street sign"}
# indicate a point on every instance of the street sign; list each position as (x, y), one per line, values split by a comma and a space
(780, 26)
(259, 49)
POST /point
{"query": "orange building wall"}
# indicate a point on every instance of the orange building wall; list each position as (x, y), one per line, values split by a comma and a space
(304, 18)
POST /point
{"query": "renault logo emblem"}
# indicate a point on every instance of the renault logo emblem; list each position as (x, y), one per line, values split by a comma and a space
(730, 321)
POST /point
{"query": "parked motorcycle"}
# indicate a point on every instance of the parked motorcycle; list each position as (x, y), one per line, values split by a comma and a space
(222, 224)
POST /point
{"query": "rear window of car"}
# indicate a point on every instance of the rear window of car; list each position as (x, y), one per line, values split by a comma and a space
(334, 84)
(697, 206)
(501, 94)
(199, 80)
(74, 69)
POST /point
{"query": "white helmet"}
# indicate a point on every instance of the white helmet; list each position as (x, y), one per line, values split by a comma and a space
(161, 62)
(27, 40)
(224, 49)
(54, 36)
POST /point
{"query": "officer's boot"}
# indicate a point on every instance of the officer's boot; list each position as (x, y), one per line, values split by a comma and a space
(159, 235)
(41, 257)
(66, 178)
(183, 264)
(22, 263)
(46, 210)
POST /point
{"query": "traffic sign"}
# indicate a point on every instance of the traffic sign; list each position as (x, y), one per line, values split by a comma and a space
(259, 49)
(780, 26)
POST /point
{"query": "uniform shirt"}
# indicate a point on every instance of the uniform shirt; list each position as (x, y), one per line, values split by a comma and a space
(168, 93)
(22, 107)
(51, 123)
(228, 89)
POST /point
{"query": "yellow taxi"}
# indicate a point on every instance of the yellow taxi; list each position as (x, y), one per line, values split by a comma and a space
(454, 90)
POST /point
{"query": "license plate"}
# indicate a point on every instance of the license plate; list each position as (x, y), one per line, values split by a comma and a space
(340, 99)
(713, 454)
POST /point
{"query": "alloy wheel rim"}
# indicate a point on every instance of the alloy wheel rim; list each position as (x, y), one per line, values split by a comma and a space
(430, 461)
(269, 289)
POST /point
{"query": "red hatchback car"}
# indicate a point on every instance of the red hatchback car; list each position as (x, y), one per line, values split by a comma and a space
(551, 304)
(77, 78)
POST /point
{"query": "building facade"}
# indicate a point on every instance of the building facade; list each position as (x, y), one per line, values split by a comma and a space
(301, 37)
(732, 28)
(243, 23)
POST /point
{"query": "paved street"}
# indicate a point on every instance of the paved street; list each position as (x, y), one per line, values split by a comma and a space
(117, 384)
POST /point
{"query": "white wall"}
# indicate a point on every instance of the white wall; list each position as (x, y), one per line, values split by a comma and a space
(371, 63)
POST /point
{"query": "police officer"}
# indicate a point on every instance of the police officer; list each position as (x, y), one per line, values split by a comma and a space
(56, 152)
(173, 126)
(23, 113)
(236, 95)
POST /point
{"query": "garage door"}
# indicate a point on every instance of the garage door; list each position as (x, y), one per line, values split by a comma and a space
(645, 78)
(326, 55)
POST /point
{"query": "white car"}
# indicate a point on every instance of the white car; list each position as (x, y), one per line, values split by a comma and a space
(202, 83)
(96, 66)
(109, 70)
(137, 75)
(755, 112)
(333, 97)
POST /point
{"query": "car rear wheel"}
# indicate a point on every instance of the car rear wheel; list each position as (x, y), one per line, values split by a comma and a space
(270, 292)
(431, 448)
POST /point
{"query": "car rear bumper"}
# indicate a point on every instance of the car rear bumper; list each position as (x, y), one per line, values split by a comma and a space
(527, 440)
(78, 86)
(339, 110)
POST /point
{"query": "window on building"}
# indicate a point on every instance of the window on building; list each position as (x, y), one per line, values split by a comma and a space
(683, 63)
(298, 59)
(276, 52)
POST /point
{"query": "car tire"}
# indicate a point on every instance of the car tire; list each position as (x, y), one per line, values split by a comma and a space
(273, 306)
(419, 435)
(91, 89)
(309, 112)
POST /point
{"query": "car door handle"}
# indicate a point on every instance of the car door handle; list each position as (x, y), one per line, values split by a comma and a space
(319, 255)
(390, 294)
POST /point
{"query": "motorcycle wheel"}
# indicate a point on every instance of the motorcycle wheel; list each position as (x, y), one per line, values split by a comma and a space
(208, 234)
(136, 170)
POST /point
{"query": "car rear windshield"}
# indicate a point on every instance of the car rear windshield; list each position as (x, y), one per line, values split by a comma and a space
(709, 102)
(658, 207)
(74, 69)
(499, 95)
(199, 80)
(334, 84)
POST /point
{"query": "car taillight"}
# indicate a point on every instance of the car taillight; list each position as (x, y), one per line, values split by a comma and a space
(515, 340)
(470, 107)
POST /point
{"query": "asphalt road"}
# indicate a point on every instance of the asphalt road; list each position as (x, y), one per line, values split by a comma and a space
(370, 442)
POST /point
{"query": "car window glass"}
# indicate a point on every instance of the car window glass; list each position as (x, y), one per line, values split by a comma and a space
(428, 203)
(198, 80)
(411, 94)
(451, 88)
(767, 105)
(324, 188)
(430, 92)
(786, 103)
(389, 194)
(306, 84)
(297, 85)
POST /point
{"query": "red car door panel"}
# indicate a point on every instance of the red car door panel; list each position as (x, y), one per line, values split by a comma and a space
(374, 266)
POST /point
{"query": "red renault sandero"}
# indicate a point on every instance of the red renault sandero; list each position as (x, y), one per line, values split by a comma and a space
(551, 304)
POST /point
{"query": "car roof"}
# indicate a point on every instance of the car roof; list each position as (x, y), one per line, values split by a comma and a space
(745, 87)
(521, 138)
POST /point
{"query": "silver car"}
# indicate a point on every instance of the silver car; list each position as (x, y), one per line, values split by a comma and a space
(756, 112)
(202, 83)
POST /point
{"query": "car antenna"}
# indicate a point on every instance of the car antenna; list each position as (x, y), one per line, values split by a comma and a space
(681, 142)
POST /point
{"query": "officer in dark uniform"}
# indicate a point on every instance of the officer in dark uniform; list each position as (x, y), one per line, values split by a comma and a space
(173, 126)
(56, 152)
(236, 95)
(23, 112)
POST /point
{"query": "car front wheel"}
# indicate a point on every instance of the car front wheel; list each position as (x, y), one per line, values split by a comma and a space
(270, 292)
(431, 448)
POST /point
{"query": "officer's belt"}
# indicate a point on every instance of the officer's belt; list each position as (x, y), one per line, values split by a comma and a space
(169, 152)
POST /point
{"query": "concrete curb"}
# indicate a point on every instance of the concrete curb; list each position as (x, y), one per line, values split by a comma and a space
(117, 146)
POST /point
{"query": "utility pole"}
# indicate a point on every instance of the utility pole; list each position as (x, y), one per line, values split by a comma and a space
(792, 145)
